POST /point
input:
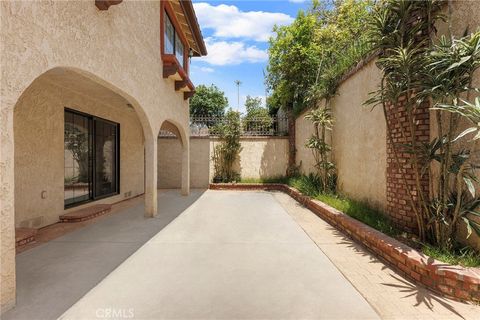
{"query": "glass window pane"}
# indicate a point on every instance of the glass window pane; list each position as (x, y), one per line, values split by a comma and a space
(179, 49)
(169, 36)
(77, 167)
(105, 158)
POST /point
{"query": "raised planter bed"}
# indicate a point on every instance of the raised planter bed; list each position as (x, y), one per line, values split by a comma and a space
(454, 281)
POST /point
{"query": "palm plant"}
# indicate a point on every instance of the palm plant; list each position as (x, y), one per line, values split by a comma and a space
(420, 73)
(322, 121)
(450, 68)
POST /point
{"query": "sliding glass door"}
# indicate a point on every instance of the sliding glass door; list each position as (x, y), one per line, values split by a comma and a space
(77, 154)
(105, 158)
(91, 158)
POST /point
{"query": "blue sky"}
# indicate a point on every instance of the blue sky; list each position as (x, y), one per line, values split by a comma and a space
(236, 34)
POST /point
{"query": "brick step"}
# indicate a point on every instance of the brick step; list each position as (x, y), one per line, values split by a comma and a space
(86, 213)
(24, 236)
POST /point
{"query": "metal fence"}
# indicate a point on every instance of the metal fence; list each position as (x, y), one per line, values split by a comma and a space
(259, 126)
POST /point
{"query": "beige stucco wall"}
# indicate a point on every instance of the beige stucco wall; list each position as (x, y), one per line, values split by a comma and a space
(265, 157)
(169, 163)
(39, 151)
(201, 166)
(303, 156)
(118, 49)
(358, 139)
(303, 131)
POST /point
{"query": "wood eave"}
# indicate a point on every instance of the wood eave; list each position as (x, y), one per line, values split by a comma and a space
(172, 69)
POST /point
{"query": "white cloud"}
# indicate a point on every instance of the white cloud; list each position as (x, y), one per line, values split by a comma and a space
(227, 21)
(222, 53)
(297, 1)
(207, 69)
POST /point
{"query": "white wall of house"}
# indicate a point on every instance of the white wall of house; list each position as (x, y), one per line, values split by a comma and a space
(118, 50)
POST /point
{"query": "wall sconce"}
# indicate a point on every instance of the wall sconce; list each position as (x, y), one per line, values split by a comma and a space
(190, 54)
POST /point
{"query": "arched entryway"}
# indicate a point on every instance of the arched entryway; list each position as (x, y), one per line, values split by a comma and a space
(173, 158)
(78, 141)
(48, 173)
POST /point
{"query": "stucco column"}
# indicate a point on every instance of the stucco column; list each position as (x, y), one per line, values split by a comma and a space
(186, 169)
(7, 221)
(151, 177)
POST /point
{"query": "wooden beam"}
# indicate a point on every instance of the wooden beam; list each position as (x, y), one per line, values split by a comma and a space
(180, 84)
(169, 70)
(105, 4)
(187, 95)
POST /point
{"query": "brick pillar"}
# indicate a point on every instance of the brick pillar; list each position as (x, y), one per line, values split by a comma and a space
(398, 202)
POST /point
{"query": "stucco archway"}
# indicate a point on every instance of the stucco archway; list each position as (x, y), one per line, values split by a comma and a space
(100, 94)
(173, 157)
(37, 169)
(32, 117)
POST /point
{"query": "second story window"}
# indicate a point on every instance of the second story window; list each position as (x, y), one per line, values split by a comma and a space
(179, 50)
(169, 43)
(173, 43)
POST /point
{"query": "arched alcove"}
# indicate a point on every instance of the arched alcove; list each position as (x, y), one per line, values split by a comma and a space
(173, 158)
(79, 140)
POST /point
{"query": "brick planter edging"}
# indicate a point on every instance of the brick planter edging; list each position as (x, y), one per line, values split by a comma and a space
(454, 281)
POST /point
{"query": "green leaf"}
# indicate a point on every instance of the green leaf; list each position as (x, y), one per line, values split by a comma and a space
(465, 132)
(469, 227)
(459, 63)
(470, 186)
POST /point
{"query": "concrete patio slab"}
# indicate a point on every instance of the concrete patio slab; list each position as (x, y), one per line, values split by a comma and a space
(391, 295)
(54, 275)
(231, 255)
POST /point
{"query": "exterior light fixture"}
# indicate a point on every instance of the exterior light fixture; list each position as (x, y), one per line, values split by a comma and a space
(190, 54)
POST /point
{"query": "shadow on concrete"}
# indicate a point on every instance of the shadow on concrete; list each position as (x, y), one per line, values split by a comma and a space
(422, 294)
(53, 276)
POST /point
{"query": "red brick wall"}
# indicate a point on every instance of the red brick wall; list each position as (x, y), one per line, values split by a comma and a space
(398, 201)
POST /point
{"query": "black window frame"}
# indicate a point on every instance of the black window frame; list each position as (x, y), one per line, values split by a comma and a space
(92, 157)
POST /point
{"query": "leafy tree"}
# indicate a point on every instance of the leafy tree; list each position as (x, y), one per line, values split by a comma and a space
(208, 102)
(292, 57)
(308, 57)
(257, 118)
(253, 103)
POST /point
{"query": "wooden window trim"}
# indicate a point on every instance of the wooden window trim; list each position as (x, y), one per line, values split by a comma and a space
(166, 7)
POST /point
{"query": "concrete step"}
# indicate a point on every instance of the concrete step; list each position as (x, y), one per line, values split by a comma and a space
(24, 236)
(86, 213)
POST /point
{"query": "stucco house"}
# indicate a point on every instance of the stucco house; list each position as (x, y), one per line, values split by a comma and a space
(86, 86)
